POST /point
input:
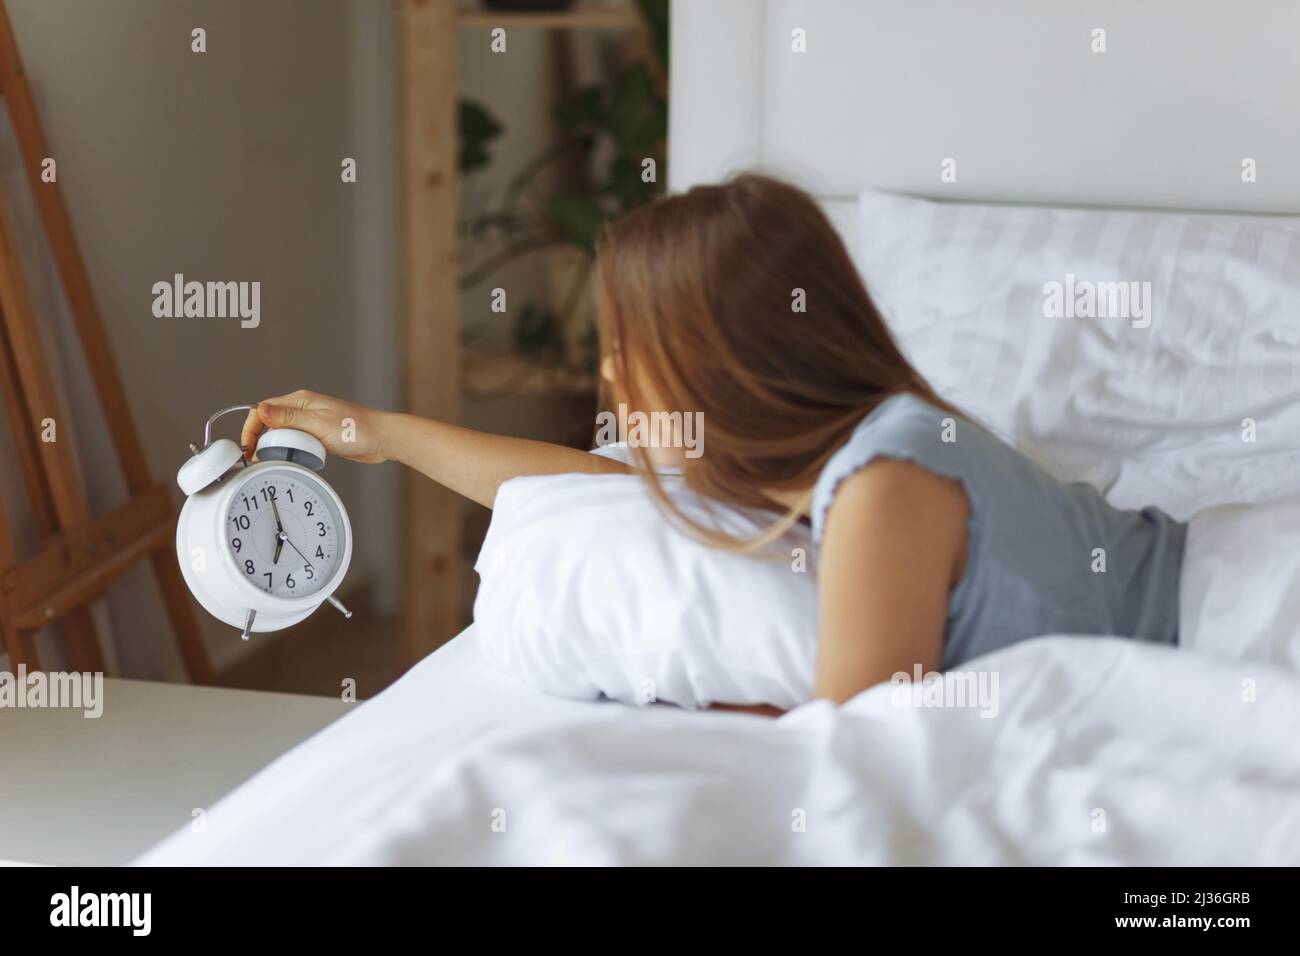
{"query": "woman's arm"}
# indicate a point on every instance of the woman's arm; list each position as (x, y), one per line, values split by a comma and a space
(470, 463)
(476, 463)
(892, 550)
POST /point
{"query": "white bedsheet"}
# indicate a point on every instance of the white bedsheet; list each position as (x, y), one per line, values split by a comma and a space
(1104, 751)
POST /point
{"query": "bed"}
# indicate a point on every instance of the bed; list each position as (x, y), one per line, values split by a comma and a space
(1103, 751)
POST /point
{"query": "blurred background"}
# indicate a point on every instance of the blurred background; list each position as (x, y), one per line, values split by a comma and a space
(491, 141)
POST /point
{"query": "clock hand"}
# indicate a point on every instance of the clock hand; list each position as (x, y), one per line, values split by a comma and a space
(279, 533)
(281, 536)
(284, 537)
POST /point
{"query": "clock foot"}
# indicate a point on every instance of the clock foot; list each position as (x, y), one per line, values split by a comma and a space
(248, 625)
(339, 606)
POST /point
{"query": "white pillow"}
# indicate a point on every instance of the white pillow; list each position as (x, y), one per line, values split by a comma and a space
(587, 590)
(1237, 593)
(1149, 415)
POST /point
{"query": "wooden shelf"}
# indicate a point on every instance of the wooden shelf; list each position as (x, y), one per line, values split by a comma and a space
(581, 18)
(436, 378)
(430, 331)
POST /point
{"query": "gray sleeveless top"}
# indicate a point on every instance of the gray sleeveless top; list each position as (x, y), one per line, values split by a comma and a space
(1032, 565)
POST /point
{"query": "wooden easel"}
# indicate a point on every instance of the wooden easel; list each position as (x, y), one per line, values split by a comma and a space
(79, 556)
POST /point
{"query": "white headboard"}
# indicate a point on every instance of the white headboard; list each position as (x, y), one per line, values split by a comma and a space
(1009, 89)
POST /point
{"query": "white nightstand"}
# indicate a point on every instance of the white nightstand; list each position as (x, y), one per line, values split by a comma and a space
(101, 791)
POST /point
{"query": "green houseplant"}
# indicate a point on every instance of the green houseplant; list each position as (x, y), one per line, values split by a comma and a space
(616, 132)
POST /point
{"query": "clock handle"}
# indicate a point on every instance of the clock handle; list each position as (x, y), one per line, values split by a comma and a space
(207, 429)
(209, 463)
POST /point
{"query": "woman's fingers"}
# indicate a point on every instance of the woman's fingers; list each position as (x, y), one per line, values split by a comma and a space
(248, 434)
(284, 411)
(280, 416)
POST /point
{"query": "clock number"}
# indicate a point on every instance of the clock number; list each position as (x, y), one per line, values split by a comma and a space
(268, 493)
(321, 525)
(307, 505)
(289, 581)
(310, 574)
(236, 544)
(289, 492)
(248, 567)
(269, 579)
(241, 522)
(319, 552)
(246, 508)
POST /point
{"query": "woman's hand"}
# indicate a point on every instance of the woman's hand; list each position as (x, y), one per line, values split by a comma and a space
(759, 710)
(346, 430)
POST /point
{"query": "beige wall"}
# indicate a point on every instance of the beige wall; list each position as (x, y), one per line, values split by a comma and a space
(225, 166)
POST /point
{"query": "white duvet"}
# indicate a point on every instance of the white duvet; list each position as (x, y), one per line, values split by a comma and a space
(1103, 751)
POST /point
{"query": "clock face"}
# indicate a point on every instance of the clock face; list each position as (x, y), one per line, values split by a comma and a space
(284, 533)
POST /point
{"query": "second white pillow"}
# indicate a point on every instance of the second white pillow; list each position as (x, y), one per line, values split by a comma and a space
(1188, 398)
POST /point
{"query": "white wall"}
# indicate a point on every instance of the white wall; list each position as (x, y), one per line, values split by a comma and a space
(225, 166)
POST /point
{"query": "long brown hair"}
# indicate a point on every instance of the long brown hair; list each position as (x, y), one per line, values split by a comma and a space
(697, 297)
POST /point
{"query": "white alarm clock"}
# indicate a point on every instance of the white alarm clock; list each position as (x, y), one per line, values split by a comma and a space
(261, 545)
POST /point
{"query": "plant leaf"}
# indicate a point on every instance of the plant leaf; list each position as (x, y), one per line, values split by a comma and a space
(582, 109)
(625, 184)
(536, 330)
(478, 127)
(577, 218)
(637, 119)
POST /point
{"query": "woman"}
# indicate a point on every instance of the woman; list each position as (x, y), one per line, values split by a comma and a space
(936, 542)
